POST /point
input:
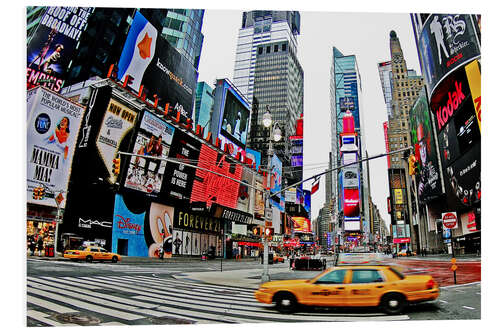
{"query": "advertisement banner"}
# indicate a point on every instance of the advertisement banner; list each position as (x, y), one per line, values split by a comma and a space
(159, 67)
(244, 192)
(474, 78)
(291, 195)
(447, 41)
(128, 231)
(352, 225)
(51, 139)
(211, 188)
(179, 178)
(422, 138)
(117, 122)
(154, 137)
(255, 156)
(468, 220)
(51, 48)
(301, 224)
(235, 118)
(398, 196)
(346, 103)
(196, 222)
(459, 139)
(259, 196)
(276, 167)
(351, 202)
(350, 177)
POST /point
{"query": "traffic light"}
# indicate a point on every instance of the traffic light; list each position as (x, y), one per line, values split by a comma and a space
(411, 165)
(269, 232)
(257, 231)
(116, 166)
(36, 194)
(41, 192)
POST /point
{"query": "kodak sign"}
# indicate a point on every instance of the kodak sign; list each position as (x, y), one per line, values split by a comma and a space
(447, 110)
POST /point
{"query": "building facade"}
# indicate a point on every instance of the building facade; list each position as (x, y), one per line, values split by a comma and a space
(345, 97)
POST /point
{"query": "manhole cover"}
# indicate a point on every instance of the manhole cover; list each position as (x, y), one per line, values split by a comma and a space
(76, 318)
(171, 321)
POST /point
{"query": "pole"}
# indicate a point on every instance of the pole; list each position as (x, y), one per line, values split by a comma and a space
(265, 274)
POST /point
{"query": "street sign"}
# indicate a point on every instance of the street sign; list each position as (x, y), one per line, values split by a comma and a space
(454, 267)
(450, 220)
(453, 260)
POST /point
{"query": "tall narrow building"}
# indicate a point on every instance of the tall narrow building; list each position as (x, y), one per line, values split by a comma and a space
(400, 94)
(268, 73)
(345, 98)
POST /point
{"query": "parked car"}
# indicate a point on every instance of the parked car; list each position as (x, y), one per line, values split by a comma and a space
(91, 253)
(381, 286)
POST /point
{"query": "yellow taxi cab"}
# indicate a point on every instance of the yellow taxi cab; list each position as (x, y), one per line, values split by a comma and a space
(90, 253)
(278, 258)
(382, 286)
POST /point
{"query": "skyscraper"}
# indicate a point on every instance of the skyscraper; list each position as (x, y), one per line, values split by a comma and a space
(204, 102)
(345, 96)
(400, 95)
(268, 73)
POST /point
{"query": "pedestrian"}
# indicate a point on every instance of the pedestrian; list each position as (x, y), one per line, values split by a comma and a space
(32, 246)
(40, 245)
(161, 252)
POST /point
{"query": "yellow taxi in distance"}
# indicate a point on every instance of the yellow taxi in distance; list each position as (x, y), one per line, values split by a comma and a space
(90, 253)
(344, 286)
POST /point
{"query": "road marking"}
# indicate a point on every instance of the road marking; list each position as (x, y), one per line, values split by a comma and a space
(443, 301)
(85, 305)
(468, 307)
(49, 305)
(461, 285)
(42, 317)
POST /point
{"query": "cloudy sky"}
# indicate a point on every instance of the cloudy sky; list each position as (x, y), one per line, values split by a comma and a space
(365, 35)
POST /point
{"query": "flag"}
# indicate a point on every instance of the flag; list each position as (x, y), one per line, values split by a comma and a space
(138, 51)
(315, 186)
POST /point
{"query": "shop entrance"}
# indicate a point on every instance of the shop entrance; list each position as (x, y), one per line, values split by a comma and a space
(122, 246)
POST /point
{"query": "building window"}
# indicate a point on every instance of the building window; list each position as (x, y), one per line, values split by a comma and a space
(276, 48)
(268, 49)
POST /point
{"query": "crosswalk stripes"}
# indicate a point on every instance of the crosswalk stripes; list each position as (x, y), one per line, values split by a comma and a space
(142, 299)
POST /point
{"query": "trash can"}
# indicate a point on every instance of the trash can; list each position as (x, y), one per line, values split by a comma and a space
(49, 250)
(270, 259)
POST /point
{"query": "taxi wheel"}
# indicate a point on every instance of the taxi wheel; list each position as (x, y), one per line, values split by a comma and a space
(114, 259)
(88, 259)
(393, 303)
(285, 302)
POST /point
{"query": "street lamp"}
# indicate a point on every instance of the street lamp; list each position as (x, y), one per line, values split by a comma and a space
(274, 134)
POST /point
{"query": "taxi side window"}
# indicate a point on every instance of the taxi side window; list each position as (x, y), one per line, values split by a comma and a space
(336, 276)
(366, 276)
(93, 249)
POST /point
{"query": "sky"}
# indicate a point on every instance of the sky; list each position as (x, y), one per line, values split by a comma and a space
(365, 35)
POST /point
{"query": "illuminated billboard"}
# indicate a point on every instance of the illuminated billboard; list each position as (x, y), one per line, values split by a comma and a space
(235, 116)
(301, 224)
(159, 67)
(211, 188)
(351, 202)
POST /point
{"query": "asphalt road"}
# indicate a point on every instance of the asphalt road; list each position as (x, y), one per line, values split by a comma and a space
(69, 293)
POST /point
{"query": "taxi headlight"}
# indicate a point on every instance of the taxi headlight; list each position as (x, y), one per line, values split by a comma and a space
(264, 289)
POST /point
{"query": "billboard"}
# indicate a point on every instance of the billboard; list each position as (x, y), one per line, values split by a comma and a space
(179, 178)
(235, 117)
(351, 202)
(301, 224)
(142, 233)
(159, 67)
(52, 131)
(154, 137)
(346, 103)
(51, 48)
(459, 138)
(446, 42)
(245, 193)
(352, 225)
(118, 120)
(350, 177)
(255, 156)
(422, 138)
(211, 188)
